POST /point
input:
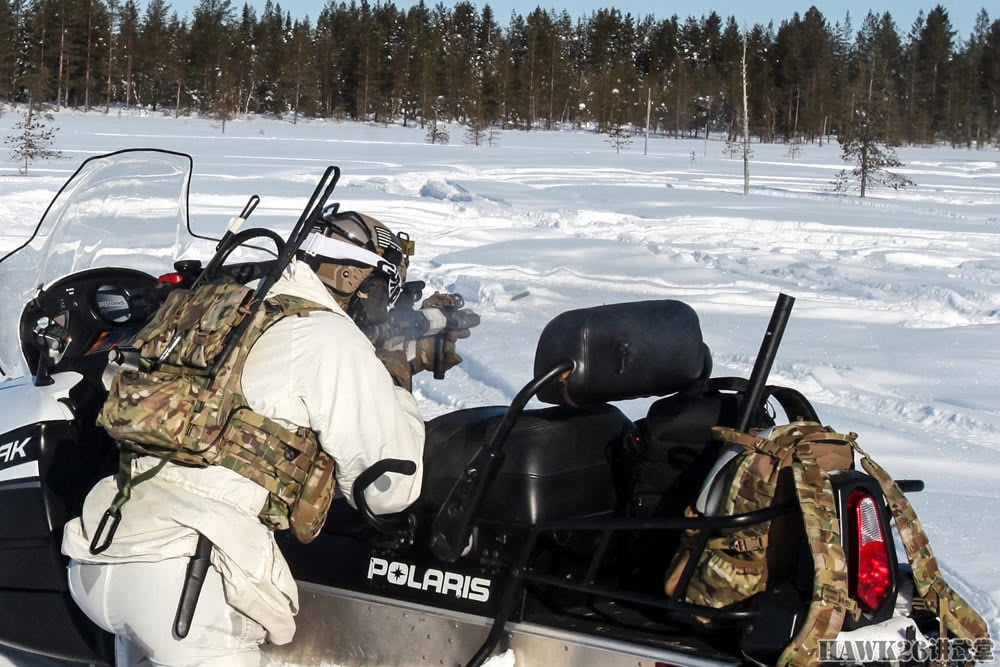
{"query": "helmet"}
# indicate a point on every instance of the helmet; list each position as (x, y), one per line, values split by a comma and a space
(361, 262)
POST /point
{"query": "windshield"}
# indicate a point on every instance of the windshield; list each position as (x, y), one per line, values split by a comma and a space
(126, 209)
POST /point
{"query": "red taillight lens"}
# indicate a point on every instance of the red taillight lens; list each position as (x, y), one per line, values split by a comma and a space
(870, 578)
(170, 279)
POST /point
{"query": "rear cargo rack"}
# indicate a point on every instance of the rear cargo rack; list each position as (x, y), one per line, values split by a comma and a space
(522, 573)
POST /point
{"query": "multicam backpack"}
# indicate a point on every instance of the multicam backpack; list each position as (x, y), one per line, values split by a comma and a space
(179, 407)
(793, 461)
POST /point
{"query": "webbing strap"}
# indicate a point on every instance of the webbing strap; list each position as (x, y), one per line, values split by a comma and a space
(830, 600)
(113, 515)
(956, 615)
(126, 482)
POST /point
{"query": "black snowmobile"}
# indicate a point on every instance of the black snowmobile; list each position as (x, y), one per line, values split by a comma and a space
(545, 531)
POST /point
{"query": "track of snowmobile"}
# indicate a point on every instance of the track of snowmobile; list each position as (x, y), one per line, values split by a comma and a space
(893, 334)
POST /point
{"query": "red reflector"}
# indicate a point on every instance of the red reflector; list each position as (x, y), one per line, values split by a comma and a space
(170, 279)
(870, 579)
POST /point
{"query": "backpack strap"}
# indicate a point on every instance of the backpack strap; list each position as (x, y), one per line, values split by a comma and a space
(830, 599)
(955, 614)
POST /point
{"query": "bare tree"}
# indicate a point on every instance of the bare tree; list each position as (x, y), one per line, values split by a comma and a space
(746, 120)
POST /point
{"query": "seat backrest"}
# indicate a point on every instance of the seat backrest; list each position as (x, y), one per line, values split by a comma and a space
(622, 351)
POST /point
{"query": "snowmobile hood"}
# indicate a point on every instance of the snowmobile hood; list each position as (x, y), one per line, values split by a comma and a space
(125, 209)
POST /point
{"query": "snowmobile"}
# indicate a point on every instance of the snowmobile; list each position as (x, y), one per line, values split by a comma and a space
(545, 530)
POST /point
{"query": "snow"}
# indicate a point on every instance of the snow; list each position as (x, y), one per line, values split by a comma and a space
(893, 334)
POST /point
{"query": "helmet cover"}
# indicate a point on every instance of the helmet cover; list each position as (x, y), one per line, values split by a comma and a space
(361, 261)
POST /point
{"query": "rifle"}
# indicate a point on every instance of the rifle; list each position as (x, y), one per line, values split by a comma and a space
(404, 320)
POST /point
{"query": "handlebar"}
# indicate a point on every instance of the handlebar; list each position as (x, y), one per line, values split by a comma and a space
(367, 478)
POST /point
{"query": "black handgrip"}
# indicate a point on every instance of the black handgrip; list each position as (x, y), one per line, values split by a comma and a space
(244, 214)
(910, 485)
(439, 344)
(250, 207)
(196, 572)
(367, 478)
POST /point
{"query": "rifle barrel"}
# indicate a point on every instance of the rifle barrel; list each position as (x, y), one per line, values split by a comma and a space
(765, 358)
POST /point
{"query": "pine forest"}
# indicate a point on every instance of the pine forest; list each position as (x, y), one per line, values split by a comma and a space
(808, 76)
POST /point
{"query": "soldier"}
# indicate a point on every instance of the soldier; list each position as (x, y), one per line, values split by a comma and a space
(313, 377)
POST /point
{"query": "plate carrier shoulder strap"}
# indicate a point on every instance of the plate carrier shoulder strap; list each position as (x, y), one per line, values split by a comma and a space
(178, 408)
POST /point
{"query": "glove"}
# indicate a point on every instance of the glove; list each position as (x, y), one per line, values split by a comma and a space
(396, 363)
(448, 319)
(446, 313)
(425, 355)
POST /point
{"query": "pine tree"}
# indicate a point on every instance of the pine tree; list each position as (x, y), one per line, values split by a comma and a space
(620, 136)
(934, 56)
(31, 139)
(151, 82)
(870, 148)
(175, 70)
(437, 131)
(207, 54)
(493, 135)
(990, 68)
(794, 147)
(733, 147)
(8, 52)
(128, 36)
(475, 130)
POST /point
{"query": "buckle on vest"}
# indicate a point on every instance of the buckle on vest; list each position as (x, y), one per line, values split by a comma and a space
(743, 544)
(750, 543)
(291, 454)
(836, 598)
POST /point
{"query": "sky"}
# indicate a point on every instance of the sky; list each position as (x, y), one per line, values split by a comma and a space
(962, 13)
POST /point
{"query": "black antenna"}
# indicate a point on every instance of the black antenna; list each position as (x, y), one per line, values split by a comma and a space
(765, 359)
(198, 566)
(310, 215)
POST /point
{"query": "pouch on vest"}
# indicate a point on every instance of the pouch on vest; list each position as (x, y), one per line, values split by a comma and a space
(793, 462)
(737, 565)
(172, 407)
(206, 316)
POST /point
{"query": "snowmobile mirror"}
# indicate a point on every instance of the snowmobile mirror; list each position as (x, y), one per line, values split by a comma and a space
(622, 351)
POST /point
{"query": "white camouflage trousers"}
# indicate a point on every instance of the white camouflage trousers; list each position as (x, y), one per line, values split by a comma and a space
(138, 603)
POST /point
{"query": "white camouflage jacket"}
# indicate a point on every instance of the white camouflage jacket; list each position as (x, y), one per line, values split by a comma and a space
(318, 371)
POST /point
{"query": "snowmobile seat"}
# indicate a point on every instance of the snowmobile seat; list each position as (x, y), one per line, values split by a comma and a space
(557, 461)
(623, 351)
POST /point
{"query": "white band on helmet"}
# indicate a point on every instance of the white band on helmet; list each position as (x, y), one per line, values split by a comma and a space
(334, 249)
(331, 248)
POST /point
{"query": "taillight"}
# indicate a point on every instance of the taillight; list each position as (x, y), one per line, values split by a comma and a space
(170, 279)
(870, 577)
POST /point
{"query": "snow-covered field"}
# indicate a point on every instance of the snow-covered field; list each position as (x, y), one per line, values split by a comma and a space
(898, 295)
